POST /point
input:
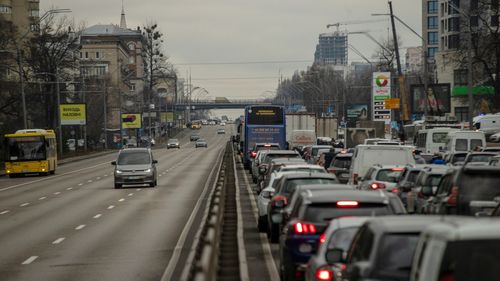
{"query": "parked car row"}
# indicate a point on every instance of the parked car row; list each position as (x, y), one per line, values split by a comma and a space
(349, 214)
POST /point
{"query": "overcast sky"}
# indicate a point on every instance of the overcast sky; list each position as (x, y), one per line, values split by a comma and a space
(239, 32)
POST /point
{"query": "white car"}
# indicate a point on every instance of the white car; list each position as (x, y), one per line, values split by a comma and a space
(381, 177)
(495, 137)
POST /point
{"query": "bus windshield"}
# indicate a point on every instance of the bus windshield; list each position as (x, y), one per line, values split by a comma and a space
(25, 148)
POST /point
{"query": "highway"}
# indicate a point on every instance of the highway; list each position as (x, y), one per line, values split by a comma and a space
(75, 226)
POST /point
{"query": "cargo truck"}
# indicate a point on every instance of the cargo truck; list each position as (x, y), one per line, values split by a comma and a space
(327, 127)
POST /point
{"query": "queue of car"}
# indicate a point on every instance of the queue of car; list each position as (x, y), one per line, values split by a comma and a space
(380, 211)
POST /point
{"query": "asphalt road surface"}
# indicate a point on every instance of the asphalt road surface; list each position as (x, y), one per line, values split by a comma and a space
(75, 226)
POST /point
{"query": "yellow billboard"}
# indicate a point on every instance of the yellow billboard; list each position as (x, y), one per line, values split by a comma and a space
(73, 114)
(167, 116)
(131, 121)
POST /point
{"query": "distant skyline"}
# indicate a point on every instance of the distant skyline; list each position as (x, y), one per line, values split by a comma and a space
(239, 49)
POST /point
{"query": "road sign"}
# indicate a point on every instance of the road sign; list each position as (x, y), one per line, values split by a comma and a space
(392, 103)
(73, 114)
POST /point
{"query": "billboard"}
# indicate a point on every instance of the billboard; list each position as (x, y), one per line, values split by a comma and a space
(437, 99)
(131, 121)
(167, 116)
(357, 111)
(73, 114)
(381, 90)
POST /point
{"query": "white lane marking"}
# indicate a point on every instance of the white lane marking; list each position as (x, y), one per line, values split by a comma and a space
(42, 198)
(24, 204)
(98, 178)
(130, 194)
(266, 247)
(121, 200)
(4, 212)
(169, 271)
(81, 226)
(89, 181)
(30, 260)
(160, 175)
(138, 189)
(106, 175)
(69, 188)
(57, 193)
(110, 207)
(80, 184)
(58, 240)
(97, 216)
(242, 254)
(52, 177)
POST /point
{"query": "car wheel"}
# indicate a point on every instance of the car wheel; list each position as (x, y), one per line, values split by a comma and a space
(118, 186)
(262, 224)
(274, 236)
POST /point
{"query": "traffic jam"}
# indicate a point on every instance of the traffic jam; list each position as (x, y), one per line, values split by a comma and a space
(368, 207)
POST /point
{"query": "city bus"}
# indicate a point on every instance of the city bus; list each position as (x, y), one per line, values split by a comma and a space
(263, 124)
(32, 151)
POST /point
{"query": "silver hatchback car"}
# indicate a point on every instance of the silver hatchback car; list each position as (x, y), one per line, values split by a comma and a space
(135, 166)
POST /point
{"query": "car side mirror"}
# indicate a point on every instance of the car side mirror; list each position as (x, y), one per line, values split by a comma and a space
(427, 191)
(334, 256)
(113, 163)
(155, 161)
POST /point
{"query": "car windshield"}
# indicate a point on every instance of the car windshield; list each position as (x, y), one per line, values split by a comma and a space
(470, 260)
(173, 141)
(389, 175)
(134, 158)
(459, 157)
(434, 180)
(342, 162)
(292, 184)
(342, 238)
(201, 140)
(396, 252)
(324, 212)
(412, 177)
(25, 148)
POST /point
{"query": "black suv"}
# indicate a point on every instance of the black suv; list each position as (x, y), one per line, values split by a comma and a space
(458, 188)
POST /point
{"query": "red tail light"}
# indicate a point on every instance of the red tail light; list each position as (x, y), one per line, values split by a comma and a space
(304, 228)
(398, 169)
(395, 190)
(324, 274)
(377, 185)
(322, 238)
(347, 204)
(452, 199)
(253, 154)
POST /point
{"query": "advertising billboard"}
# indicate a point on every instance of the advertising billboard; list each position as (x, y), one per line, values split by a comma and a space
(381, 90)
(131, 121)
(357, 111)
(437, 99)
(73, 114)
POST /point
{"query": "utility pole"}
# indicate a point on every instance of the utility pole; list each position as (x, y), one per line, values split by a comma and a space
(21, 83)
(59, 125)
(469, 79)
(105, 111)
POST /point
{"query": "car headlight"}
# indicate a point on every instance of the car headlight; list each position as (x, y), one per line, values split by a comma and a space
(148, 171)
(119, 172)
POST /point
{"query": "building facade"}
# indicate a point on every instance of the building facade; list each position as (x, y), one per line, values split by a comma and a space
(332, 48)
(24, 14)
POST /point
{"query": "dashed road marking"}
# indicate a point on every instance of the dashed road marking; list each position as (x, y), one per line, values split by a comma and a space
(80, 184)
(121, 200)
(98, 178)
(24, 204)
(4, 212)
(105, 175)
(89, 181)
(138, 189)
(130, 194)
(30, 260)
(42, 198)
(97, 216)
(58, 240)
(57, 193)
(69, 188)
(110, 207)
(81, 226)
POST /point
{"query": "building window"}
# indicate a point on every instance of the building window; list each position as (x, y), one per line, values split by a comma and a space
(454, 24)
(431, 52)
(86, 55)
(460, 77)
(452, 5)
(474, 21)
(432, 38)
(462, 113)
(81, 55)
(34, 27)
(432, 22)
(97, 55)
(35, 13)
(5, 9)
(432, 7)
(131, 60)
(132, 87)
(454, 41)
(94, 70)
(494, 20)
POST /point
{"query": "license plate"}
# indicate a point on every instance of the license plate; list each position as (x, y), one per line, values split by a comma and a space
(343, 175)
(134, 178)
(26, 171)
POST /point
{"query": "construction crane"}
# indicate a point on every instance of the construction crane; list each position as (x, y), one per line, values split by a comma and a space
(351, 22)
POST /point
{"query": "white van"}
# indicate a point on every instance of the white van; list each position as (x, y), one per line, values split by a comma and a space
(432, 140)
(464, 141)
(301, 138)
(365, 156)
(489, 124)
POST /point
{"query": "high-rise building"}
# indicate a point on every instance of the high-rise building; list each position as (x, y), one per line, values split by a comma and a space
(332, 48)
(24, 14)
(430, 27)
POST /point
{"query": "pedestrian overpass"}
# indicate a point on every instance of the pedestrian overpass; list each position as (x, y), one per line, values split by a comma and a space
(220, 104)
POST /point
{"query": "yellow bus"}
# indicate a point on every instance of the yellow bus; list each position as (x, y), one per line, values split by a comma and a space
(196, 124)
(31, 151)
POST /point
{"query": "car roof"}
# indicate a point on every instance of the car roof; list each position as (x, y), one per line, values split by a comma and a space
(401, 223)
(301, 175)
(330, 186)
(364, 196)
(287, 160)
(463, 228)
(346, 222)
(282, 152)
(136, 149)
(305, 165)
